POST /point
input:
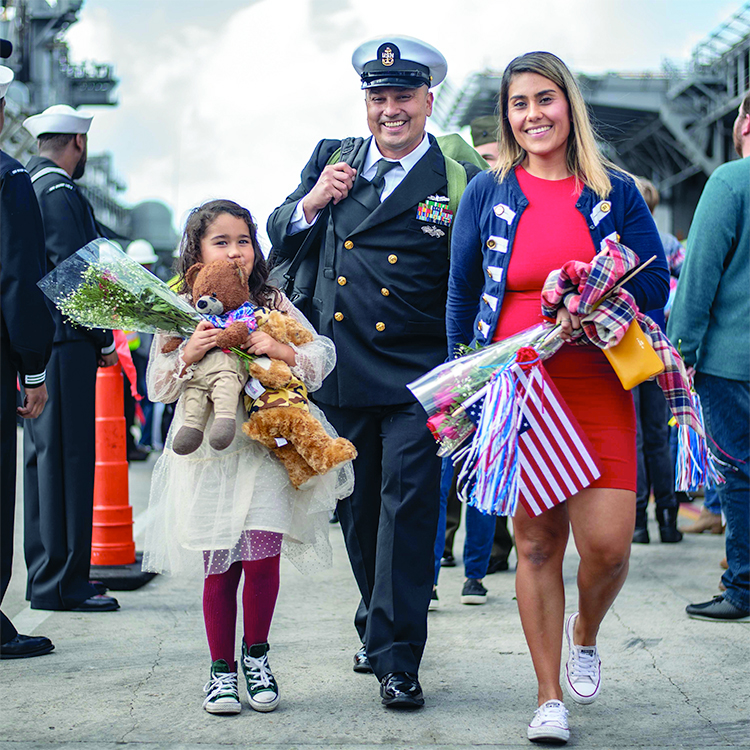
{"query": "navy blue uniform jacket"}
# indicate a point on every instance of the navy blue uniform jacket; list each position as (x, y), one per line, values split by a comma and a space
(382, 280)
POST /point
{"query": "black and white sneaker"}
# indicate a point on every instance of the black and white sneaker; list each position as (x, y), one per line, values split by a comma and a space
(473, 592)
(222, 696)
(262, 690)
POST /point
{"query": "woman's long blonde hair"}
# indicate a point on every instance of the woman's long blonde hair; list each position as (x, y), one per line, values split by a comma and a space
(584, 159)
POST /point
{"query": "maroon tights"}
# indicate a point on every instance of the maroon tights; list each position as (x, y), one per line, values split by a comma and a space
(258, 601)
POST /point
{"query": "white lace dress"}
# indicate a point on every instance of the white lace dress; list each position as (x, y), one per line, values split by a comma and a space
(209, 508)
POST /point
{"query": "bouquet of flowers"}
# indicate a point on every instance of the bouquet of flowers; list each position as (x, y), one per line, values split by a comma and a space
(101, 287)
(452, 393)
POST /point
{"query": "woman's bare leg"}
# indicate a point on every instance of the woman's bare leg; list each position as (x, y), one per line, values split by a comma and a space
(602, 521)
(540, 546)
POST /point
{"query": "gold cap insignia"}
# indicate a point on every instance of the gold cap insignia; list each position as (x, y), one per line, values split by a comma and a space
(387, 57)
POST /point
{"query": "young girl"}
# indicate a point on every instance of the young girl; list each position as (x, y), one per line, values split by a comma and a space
(552, 198)
(235, 510)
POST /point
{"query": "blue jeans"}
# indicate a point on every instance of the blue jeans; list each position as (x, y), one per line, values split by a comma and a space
(726, 409)
(446, 479)
(480, 531)
(712, 501)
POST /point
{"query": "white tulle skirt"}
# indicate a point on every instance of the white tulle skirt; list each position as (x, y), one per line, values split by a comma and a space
(202, 506)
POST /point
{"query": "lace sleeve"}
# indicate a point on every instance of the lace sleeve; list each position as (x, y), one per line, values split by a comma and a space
(315, 360)
(166, 374)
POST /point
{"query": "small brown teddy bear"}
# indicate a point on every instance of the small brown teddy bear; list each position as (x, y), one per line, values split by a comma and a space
(220, 291)
(280, 418)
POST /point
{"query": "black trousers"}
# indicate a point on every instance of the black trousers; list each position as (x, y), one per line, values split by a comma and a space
(389, 526)
(655, 466)
(59, 454)
(7, 482)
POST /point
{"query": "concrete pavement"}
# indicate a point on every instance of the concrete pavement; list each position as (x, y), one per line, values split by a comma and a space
(135, 677)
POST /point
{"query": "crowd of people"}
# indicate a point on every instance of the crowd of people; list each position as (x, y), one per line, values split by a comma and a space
(417, 250)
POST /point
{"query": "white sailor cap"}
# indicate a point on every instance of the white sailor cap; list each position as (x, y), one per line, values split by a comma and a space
(6, 78)
(142, 251)
(59, 118)
(399, 61)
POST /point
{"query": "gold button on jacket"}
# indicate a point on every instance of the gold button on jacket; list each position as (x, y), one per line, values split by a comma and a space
(348, 244)
(341, 280)
(380, 326)
(393, 259)
(339, 316)
(384, 292)
(490, 243)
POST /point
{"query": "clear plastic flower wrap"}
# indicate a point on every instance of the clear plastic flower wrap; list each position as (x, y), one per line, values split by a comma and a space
(99, 286)
(448, 390)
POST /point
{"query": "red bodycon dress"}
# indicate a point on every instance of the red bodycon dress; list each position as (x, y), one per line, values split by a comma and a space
(550, 232)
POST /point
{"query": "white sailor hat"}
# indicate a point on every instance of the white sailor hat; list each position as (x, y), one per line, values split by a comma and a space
(399, 61)
(59, 118)
(6, 78)
(142, 251)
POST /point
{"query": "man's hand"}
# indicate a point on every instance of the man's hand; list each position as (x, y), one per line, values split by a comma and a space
(334, 184)
(33, 402)
(107, 360)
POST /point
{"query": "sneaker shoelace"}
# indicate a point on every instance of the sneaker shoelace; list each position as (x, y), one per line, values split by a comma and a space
(258, 672)
(223, 682)
(584, 664)
(552, 711)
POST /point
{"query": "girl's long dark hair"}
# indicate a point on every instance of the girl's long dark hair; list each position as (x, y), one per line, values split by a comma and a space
(200, 218)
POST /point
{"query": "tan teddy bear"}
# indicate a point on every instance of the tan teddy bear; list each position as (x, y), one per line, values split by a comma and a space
(279, 418)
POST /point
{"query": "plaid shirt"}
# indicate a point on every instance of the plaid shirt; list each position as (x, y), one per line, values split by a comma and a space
(585, 290)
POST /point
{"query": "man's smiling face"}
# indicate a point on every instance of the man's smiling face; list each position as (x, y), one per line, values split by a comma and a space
(397, 117)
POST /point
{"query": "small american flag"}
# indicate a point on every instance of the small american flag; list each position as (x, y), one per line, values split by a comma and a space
(556, 458)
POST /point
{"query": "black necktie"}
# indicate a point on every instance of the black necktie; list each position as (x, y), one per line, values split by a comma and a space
(383, 168)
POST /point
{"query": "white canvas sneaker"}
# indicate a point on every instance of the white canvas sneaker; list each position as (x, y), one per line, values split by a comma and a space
(550, 723)
(583, 670)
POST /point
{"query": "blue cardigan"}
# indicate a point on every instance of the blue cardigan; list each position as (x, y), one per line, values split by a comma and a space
(485, 229)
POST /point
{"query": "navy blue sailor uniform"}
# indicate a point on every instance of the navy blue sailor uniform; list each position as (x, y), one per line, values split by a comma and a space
(380, 295)
(26, 331)
(59, 446)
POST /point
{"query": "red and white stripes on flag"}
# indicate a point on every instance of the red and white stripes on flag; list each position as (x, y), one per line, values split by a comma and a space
(556, 458)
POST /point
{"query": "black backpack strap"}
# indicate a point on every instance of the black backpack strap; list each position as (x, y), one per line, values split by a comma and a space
(347, 152)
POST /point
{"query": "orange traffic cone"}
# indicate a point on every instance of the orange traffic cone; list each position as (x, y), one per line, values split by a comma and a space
(113, 557)
(112, 539)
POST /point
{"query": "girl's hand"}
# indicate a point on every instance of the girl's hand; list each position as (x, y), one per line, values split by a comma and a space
(202, 341)
(259, 342)
(568, 323)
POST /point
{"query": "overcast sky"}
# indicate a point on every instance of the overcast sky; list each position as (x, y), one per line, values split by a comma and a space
(228, 98)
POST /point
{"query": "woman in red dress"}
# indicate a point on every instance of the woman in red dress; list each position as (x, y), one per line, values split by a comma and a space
(552, 198)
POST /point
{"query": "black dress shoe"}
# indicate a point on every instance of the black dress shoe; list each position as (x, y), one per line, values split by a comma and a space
(24, 646)
(401, 690)
(361, 662)
(448, 561)
(137, 454)
(496, 566)
(99, 587)
(640, 535)
(98, 603)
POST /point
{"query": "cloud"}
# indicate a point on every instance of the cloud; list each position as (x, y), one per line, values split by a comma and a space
(231, 103)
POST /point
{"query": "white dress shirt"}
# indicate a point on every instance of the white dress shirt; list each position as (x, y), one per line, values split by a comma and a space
(393, 178)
